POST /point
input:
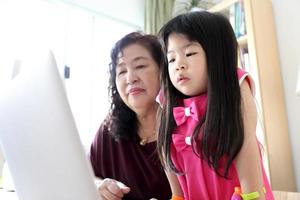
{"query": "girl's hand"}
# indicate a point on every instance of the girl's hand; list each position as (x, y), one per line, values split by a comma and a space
(110, 189)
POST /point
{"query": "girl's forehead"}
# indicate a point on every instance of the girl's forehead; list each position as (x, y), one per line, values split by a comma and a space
(178, 36)
(177, 42)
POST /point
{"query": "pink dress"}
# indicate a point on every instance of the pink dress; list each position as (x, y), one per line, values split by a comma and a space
(198, 180)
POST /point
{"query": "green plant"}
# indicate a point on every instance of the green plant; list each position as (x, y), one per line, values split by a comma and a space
(184, 6)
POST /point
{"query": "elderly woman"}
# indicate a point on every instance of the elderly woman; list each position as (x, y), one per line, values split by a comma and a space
(123, 153)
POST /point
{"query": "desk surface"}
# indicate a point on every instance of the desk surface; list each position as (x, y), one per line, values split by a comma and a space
(7, 195)
(279, 195)
(282, 195)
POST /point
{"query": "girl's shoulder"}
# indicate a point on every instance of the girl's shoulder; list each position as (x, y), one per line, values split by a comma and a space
(243, 75)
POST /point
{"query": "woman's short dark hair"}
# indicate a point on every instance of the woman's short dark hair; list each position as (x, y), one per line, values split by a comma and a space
(122, 121)
(222, 124)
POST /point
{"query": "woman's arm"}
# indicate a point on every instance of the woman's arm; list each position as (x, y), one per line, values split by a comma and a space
(248, 159)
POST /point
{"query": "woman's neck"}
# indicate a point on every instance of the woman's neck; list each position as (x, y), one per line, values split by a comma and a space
(147, 116)
(146, 126)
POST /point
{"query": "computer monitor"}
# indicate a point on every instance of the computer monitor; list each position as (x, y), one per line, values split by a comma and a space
(39, 138)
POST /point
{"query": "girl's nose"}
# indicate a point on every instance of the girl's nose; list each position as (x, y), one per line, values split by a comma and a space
(181, 66)
(181, 63)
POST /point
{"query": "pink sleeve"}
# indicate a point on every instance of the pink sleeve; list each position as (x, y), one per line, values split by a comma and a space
(243, 75)
(160, 98)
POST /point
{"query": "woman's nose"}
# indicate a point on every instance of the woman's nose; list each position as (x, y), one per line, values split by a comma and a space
(131, 78)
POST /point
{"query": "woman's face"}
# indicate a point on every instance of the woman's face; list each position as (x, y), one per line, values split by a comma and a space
(137, 77)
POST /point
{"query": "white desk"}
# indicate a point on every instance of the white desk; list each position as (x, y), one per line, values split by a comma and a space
(7, 195)
(283, 195)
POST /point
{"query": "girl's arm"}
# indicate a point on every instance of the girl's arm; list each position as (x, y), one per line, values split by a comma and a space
(248, 160)
(174, 183)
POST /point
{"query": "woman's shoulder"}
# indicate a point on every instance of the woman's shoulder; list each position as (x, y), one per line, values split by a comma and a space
(103, 133)
(104, 144)
(107, 137)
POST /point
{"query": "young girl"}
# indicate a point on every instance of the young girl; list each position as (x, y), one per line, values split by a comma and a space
(208, 120)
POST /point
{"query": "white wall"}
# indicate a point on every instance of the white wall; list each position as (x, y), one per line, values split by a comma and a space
(287, 20)
(127, 11)
(1, 162)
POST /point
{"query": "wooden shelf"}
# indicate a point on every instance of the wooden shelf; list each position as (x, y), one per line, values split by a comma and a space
(243, 41)
(222, 5)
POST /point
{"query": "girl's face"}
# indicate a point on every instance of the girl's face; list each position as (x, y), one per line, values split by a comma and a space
(187, 65)
(137, 78)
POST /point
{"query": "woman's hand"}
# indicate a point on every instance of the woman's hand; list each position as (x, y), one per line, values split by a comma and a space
(110, 189)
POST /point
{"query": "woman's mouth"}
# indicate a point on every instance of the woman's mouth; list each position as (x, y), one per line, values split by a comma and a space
(135, 91)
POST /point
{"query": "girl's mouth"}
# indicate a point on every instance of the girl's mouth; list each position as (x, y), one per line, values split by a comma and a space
(182, 80)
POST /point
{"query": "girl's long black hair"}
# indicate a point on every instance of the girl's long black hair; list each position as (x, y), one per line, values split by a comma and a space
(222, 126)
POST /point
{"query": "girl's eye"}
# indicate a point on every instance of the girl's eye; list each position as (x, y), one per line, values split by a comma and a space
(171, 60)
(190, 54)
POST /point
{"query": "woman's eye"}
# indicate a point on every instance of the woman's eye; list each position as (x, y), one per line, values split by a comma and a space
(190, 54)
(171, 60)
(121, 72)
(140, 66)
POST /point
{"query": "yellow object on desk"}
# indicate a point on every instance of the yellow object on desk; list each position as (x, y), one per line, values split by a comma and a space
(250, 196)
(175, 197)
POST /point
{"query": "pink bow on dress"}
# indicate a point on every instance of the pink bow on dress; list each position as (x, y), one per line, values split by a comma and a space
(183, 140)
(182, 113)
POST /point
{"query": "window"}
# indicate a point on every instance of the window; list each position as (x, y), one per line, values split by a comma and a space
(80, 39)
